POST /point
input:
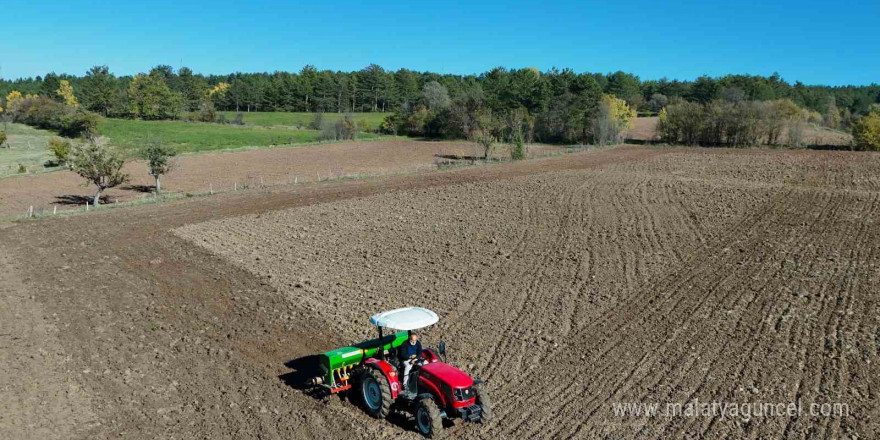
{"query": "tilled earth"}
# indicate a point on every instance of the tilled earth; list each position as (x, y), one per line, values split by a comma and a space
(226, 171)
(570, 284)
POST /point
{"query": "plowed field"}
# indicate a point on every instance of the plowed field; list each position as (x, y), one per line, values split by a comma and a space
(573, 285)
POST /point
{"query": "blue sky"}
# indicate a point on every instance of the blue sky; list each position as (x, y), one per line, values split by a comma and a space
(813, 42)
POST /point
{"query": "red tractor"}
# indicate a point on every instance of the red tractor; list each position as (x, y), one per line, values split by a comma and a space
(435, 390)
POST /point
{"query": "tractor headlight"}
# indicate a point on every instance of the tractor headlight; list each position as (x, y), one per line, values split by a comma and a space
(462, 394)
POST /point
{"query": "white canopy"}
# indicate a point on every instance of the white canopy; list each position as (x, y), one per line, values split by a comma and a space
(407, 318)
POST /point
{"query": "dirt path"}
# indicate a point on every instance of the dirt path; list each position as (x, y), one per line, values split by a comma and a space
(581, 281)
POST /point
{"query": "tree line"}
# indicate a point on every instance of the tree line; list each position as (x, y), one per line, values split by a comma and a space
(561, 106)
(166, 92)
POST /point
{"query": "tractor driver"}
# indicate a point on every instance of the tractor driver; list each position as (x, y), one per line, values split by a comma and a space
(410, 353)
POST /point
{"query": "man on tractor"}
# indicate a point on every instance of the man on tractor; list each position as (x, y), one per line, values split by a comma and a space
(409, 353)
(432, 389)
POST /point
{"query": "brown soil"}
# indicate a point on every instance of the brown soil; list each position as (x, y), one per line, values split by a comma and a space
(569, 283)
(225, 170)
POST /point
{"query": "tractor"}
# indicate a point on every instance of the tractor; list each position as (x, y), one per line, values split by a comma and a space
(435, 390)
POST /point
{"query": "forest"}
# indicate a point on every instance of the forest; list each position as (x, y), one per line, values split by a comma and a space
(553, 105)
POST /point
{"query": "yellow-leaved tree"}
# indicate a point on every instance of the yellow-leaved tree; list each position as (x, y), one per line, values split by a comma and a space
(13, 100)
(219, 89)
(613, 119)
(866, 132)
(65, 91)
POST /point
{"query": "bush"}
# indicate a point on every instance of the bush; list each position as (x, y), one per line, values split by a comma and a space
(392, 124)
(343, 129)
(866, 132)
(681, 123)
(3, 138)
(796, 133)
(60, 149)
(517, 147)
(317, 121)
(41, 112)
(206, 111)
(731, 123)
(48, 114)
(80, 123)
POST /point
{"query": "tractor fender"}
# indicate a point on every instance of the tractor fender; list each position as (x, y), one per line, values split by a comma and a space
(388, 371)
(435, 391)
(430, 356)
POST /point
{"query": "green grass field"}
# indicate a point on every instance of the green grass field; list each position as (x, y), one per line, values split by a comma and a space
(187, 137)
(26, 146)
(300, 119)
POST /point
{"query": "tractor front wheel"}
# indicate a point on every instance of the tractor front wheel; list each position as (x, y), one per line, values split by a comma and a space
(428, 418)
(485, 404)
(375, 393)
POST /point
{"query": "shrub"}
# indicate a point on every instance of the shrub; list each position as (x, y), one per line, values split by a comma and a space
(3, 138)
(517, 121)
(60, 149)
(206, 111)
(518, 146)
(732, 123)
(392, 124)
(796, 133)
(80, 123)
(239, 118)
(48, 114)
(41, 112)
(317, 121)
(343, 129)
(866, 132)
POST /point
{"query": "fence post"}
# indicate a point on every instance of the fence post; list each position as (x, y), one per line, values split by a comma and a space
(212, 189)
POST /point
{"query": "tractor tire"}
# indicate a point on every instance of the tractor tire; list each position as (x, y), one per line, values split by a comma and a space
(485, 404)
(428, 419)
(375, 393)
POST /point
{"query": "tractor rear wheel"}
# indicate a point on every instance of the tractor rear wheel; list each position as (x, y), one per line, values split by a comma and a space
(375, 393)
(485, 404)
(428, 418)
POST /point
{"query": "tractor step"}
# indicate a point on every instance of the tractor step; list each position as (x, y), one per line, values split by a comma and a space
(473, 413)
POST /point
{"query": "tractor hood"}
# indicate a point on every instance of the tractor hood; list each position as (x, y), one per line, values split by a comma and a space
(446, 373)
